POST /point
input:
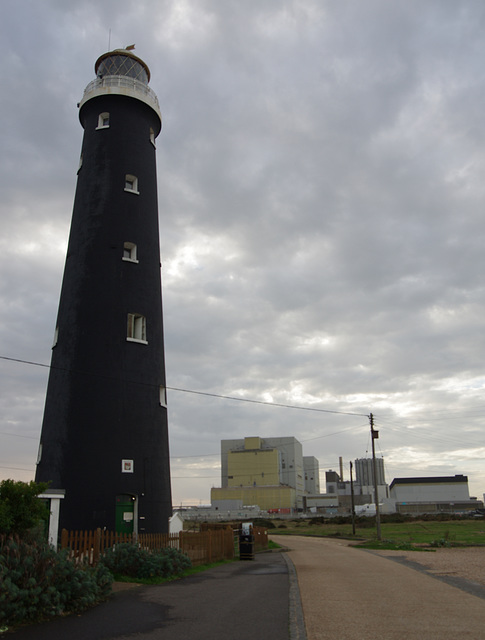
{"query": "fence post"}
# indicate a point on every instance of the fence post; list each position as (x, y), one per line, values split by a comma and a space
(64, 535)
(96, 546)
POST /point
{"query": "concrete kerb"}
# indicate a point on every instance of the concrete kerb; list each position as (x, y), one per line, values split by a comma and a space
(295, 614)
(296, 619)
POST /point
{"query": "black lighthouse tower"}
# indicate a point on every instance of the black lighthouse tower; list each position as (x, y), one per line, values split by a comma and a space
(104, 436)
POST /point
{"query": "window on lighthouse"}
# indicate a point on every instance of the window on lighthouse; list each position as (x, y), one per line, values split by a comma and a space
(103, 120)
(136, 329)
(129, 252)
(152, 137)
(131, 183)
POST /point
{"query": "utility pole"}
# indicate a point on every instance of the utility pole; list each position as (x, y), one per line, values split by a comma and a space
(374, 436)
(352, 497)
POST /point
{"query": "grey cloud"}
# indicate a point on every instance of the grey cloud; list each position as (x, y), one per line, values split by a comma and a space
(320, 191)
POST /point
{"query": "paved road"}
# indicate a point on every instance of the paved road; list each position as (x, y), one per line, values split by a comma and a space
(351, 594)
(237, 601)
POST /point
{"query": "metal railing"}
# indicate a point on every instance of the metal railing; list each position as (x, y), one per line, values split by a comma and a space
(123, 82)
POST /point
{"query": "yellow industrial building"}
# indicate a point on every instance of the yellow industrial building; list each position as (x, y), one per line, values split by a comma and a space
(268, 472)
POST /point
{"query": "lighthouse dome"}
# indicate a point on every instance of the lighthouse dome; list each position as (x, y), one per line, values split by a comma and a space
(122, 62)
(120, 72)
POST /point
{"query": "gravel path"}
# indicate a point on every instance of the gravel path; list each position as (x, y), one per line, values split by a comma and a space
(466, 563)
(356, 594)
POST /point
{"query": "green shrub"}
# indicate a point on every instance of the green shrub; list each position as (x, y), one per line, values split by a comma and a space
(442, 542)
(394, 518)
(264, 522)
(20, 508)
(37, 583)
(130, 560)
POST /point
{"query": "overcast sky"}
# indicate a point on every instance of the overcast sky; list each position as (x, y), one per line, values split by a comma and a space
(321, 192)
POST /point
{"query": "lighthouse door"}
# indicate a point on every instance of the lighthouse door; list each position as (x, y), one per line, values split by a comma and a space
(125, 513)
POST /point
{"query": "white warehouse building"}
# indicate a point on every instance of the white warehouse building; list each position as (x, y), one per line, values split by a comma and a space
(443, 494)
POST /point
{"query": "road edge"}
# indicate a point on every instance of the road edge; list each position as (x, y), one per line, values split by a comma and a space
(295, 617)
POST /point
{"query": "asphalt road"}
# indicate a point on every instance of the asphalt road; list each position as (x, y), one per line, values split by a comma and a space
(351, 594)
(237, 601)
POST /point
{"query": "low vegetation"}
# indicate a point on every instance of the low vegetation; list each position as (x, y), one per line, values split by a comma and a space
(397, 531)
(273, 545)
(20, 509)
(190, 571)
(36, 582)
(129, 561)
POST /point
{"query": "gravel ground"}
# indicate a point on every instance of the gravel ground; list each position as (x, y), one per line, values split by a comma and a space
(466, 563)
(353, 594)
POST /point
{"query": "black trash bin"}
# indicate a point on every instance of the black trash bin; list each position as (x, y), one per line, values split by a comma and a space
(246, 547)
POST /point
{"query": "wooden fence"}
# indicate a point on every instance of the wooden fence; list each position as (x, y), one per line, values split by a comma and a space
(260, 533)
(201, 547)
(260, 538)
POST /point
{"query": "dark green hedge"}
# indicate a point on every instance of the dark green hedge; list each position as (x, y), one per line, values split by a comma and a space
(37, 583)
(130, 560)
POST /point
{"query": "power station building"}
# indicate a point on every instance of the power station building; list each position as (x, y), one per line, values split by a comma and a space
(269, 472)
(363, 488)
(434, 494)
(104, 436)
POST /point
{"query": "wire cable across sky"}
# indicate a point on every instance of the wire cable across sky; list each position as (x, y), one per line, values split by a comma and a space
(212, 395)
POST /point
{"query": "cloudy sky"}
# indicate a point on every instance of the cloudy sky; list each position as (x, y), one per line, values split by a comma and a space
(321, 198)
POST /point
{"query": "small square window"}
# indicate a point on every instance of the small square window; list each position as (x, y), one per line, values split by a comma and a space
(136, 328)
(163, 396)
(103, 120)
(129, 252)
(152, 137)
(131, 183)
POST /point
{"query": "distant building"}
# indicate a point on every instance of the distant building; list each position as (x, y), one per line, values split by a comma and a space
(269, 472)
(363, 485)
(364, 471)
(176, 523)
(443, 494)
(312, 475)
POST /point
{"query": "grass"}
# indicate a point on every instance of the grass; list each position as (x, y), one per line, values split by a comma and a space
(415, 532)
(392, 545)
(273, 545)
(191, 571)
(188, 572)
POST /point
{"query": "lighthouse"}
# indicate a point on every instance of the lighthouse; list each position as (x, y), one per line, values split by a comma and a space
(104, 437)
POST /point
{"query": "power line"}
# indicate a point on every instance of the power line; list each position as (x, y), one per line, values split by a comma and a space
(389, 421)
(334, 433)
(271, 404)
(18, 435)
(195, 477)
(200, 393)
(424, 434)
(201, 455)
